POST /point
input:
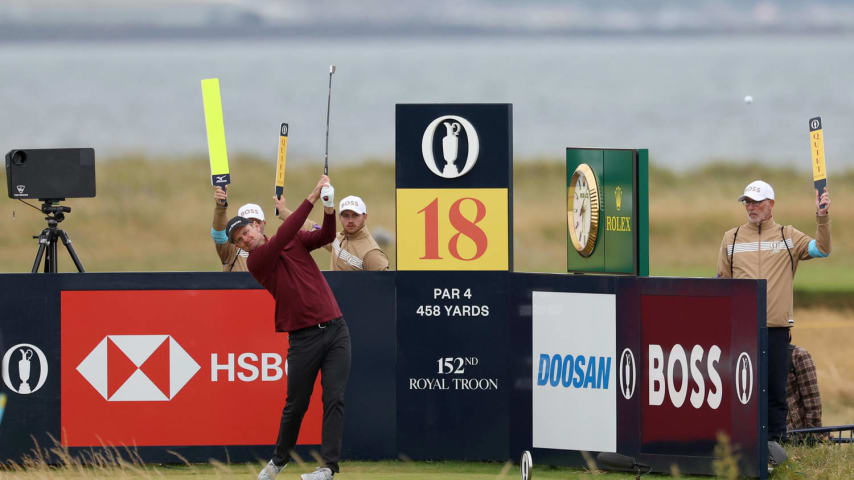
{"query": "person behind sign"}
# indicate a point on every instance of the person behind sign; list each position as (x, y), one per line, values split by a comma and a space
(802, 392)
(354, 248)
(306, 309)
(233, 258)
(761, 248)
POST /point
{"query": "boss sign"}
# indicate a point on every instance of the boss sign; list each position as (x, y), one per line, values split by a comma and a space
(696, 381)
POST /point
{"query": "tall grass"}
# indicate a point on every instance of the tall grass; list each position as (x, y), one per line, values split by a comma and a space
(154, 214)
(57, 463)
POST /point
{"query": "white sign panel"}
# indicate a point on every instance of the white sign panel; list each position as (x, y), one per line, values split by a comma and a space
(574, 371)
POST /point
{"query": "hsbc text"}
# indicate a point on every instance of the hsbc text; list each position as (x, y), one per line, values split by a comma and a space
(248, 367)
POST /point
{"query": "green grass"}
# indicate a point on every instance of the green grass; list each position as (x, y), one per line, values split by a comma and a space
(820, 462)
(57, 463)
(824, 461)
(352, 470)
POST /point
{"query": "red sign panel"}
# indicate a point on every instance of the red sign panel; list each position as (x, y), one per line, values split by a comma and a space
(695, 383)
(174, 368)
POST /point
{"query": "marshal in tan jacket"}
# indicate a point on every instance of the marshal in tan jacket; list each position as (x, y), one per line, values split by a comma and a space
(772, 252)
(234, 259)
(357, 252)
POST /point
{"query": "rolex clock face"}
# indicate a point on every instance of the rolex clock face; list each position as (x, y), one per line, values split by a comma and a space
(583, 210)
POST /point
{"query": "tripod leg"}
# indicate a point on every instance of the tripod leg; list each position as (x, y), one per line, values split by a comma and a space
(51, 263)
(42, 243)
(67, 242)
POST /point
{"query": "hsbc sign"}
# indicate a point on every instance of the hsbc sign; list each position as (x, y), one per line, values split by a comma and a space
(136, 363)
(138, 368)
(154, 368)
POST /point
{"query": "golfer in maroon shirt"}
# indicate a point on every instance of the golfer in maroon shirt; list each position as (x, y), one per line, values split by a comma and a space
(307, 310)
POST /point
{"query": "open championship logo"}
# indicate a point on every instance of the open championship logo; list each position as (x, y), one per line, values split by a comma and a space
(744, 378)
(450, 146)
(23, 365)
(628, 374)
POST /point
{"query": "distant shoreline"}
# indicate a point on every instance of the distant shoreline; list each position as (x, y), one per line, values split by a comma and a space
(16, 32)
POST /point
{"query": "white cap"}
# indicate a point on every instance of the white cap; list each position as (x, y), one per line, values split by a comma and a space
(757, 190)
(353, 203)
(250, 210)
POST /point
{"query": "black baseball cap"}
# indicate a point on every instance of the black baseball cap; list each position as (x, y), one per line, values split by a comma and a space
(234, 225)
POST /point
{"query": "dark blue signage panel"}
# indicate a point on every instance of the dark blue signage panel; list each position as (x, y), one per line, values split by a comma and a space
(29, 348)
(453, 355)
(446, 365)
(454, 145)
(68, 341)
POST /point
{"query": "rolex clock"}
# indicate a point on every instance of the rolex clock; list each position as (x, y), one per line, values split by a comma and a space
(583, 210)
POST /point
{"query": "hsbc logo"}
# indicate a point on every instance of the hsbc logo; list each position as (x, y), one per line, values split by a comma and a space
(138, 368)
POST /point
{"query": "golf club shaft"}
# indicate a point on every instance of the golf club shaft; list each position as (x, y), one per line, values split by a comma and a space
(328, 106)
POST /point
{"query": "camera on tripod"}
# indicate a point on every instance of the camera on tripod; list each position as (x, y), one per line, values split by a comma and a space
(51, 175)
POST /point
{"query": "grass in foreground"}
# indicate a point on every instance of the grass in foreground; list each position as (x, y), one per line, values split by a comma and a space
(57, 463)
(824, 461)
(819, 462)
(353, 470)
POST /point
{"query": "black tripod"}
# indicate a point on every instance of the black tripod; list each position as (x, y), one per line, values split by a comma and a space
(49, 236)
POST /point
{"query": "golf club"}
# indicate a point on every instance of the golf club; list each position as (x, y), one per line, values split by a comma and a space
(328, 105)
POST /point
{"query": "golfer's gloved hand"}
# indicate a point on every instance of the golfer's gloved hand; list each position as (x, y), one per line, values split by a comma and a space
(327, 196)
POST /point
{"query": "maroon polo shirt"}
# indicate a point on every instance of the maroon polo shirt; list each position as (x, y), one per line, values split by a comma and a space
(287, 270)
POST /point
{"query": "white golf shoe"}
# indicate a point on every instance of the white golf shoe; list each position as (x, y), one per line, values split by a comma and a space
(322, 473)
(270, 471)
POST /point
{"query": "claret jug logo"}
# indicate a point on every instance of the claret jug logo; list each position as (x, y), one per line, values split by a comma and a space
(450, 146)
(618, 193)
(744, 378)
(628, 374)
(18, 368)
(138, 368)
